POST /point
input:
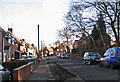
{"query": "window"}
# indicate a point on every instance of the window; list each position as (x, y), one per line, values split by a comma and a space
(107, 53)
(26, 57)
(9, 41)
(61, 49)
(13, 54)
(112, 52)
(57, 49)
(13, 41)
(9, 54)
(86, 54)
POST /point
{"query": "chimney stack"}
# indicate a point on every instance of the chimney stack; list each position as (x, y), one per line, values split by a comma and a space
(10, 29)
(23, 39)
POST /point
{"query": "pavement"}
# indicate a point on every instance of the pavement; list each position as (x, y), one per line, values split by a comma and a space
(42, 72)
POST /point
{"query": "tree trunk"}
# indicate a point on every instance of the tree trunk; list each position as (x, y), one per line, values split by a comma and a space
(93, 42)
(102, 38)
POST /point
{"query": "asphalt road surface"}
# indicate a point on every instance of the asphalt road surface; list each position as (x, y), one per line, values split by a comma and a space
(88, 72)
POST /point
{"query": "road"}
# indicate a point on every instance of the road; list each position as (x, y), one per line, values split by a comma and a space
(88, 72)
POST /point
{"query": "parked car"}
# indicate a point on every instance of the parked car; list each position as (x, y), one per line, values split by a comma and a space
(91, 57)
(4, 74)
(64, 56)
(27, 57)
(111, 58)
(58, 55)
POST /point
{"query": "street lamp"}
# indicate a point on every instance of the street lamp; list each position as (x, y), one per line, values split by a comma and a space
(42, 48)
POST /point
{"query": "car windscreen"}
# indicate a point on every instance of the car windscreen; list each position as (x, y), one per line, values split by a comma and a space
(32, 57)
(94, 54)
(63, 54)
(1, 67)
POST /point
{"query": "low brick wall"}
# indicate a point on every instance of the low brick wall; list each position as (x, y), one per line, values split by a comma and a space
(22, 72)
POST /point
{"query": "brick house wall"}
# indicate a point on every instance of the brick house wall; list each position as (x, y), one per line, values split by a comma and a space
(1, 48)
(45, 52)
(48, 51)
(59, 49)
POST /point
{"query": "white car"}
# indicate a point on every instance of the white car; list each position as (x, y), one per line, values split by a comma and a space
(58, 55)
(4, 74)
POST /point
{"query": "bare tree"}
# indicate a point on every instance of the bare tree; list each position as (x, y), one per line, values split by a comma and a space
(111, 10)
(66, 36)
(78, 23)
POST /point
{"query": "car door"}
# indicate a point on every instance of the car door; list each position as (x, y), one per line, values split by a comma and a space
(0, 76)
(118, 56)
(106, 59)
(4, 75)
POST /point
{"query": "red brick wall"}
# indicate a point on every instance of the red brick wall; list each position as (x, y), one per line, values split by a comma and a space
(22, 72)
(63, 50)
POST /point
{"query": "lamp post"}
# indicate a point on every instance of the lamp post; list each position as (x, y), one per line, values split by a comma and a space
(42, 47)
(38, 37)
(3, 59)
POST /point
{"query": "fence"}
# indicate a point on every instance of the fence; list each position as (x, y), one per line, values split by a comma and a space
(22, 72)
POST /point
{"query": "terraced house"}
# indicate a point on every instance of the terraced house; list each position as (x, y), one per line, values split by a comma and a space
(13, 48)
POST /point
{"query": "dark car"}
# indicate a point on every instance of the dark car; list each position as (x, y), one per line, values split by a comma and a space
(91, 57)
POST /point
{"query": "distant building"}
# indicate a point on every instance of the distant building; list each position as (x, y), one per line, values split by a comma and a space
(76, 44)
(112, 42)
(81, 43)
(48, 52)
(12, 46)
(60, 49)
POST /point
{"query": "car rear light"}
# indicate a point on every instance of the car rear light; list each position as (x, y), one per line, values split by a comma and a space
(116, 59)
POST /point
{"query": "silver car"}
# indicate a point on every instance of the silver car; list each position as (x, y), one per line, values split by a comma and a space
(27, 57)
(4, 73)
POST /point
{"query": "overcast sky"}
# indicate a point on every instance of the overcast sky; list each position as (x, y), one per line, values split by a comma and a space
(25, 15)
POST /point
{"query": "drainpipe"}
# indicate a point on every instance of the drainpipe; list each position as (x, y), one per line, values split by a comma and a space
(3, 58)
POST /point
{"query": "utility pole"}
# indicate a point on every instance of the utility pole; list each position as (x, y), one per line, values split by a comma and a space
(38, 38)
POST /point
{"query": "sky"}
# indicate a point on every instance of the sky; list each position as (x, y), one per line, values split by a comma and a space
(25, 15)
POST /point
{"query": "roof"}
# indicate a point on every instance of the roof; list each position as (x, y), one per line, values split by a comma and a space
(2, 30)
(14, 36)
(112, 42)
(50, 49)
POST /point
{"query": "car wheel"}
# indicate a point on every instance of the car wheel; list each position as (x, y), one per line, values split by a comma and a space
(101, 65)
(89, 62)
(84, 62)
(113, 65)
